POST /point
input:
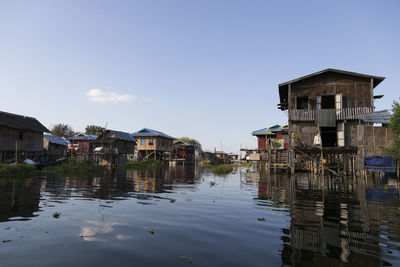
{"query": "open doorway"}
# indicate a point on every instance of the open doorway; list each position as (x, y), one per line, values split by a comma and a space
(328, 136)
(328, 102)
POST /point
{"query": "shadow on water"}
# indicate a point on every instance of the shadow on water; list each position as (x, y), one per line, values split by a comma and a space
(335, 221)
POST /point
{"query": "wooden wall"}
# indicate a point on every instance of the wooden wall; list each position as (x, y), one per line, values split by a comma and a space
(356, 91)
(54, 149)
(157, 144)
(305, 131)
(31, 141)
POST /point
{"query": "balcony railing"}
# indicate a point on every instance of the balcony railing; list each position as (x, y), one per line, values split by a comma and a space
(343, 114)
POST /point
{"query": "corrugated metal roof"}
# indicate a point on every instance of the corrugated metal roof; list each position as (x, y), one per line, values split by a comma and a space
(149, 132)
(270, 130)
(20, 122)
(377, 79)
(83, 137)
(182, 143)
(56, 139)
(382, 116)
(122, 135)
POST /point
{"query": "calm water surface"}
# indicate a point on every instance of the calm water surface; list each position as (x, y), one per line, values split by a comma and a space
(244, 219)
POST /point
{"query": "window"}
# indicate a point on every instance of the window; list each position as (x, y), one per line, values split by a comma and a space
(143, 142)
(151, 142)
(302, 102)
(162, 142)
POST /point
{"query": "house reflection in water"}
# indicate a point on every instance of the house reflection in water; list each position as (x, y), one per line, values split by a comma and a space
(19, 199)
(333, 222)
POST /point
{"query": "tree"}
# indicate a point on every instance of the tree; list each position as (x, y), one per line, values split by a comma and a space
(63, 130)
(93, 129)
(394, 125)
(191, 140)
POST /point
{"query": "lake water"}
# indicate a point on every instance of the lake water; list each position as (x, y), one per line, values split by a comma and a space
(187, 216)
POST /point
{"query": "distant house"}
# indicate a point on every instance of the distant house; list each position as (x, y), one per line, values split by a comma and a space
(116, 147)
(21, 137)
(183, 151)
(153, 144)
(275, 135)
(82, 143)
(199, 154)
(54, 146)
(233, 157)
(209, 156)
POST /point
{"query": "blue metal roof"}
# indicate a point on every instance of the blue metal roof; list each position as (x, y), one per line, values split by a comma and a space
(83, 137)
(123, 136)
(146, 132)
(56, 139)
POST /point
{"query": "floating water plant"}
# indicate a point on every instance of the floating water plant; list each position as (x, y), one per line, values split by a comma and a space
(151, 231)
(187, 258)
(17, 170)
(222, 169)
(261, 219)
(56, 215)
(6, 241)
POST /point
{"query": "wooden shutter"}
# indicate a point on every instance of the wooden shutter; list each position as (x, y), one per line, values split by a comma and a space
(319, 102)
(338, 102)
(340, 133)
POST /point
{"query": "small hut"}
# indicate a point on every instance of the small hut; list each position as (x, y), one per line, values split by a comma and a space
(115, 147)
(153, 144)
(54, 146)
(21, 137)
(183, 151)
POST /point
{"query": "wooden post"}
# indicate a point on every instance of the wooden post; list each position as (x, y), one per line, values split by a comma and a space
(291, 154)
(372, 93)
(16, 151)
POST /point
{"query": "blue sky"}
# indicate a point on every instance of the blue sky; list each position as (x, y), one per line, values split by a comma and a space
(204, 69)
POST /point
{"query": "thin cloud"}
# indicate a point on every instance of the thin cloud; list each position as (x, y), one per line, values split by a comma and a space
(99, 96)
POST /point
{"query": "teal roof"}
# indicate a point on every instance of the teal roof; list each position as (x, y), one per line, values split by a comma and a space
(270, 130)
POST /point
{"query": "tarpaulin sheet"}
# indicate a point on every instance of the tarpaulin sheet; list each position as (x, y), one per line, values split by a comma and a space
(383, 164)
(325, 117)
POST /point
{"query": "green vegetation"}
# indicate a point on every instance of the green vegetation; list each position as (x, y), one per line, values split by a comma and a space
(94, 129)
(147, 164)
(62, 129)
(221, 169)
(56, 215)
(243, 164)
(151, 231)
(187, 258)
(394, 125)
(17, 170)
(74, 168)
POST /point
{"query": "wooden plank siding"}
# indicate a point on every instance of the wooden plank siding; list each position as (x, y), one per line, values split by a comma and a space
(159, 144)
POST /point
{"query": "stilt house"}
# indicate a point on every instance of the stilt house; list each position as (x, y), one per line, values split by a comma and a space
(183, 151)
(21, 137)
(153, 144)
(276, 136)
(325, 108)
(54, 146)
(116, 147)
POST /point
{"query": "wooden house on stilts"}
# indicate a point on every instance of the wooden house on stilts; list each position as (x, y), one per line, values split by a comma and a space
(152, 144)
(21, 138)
(325, 111)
